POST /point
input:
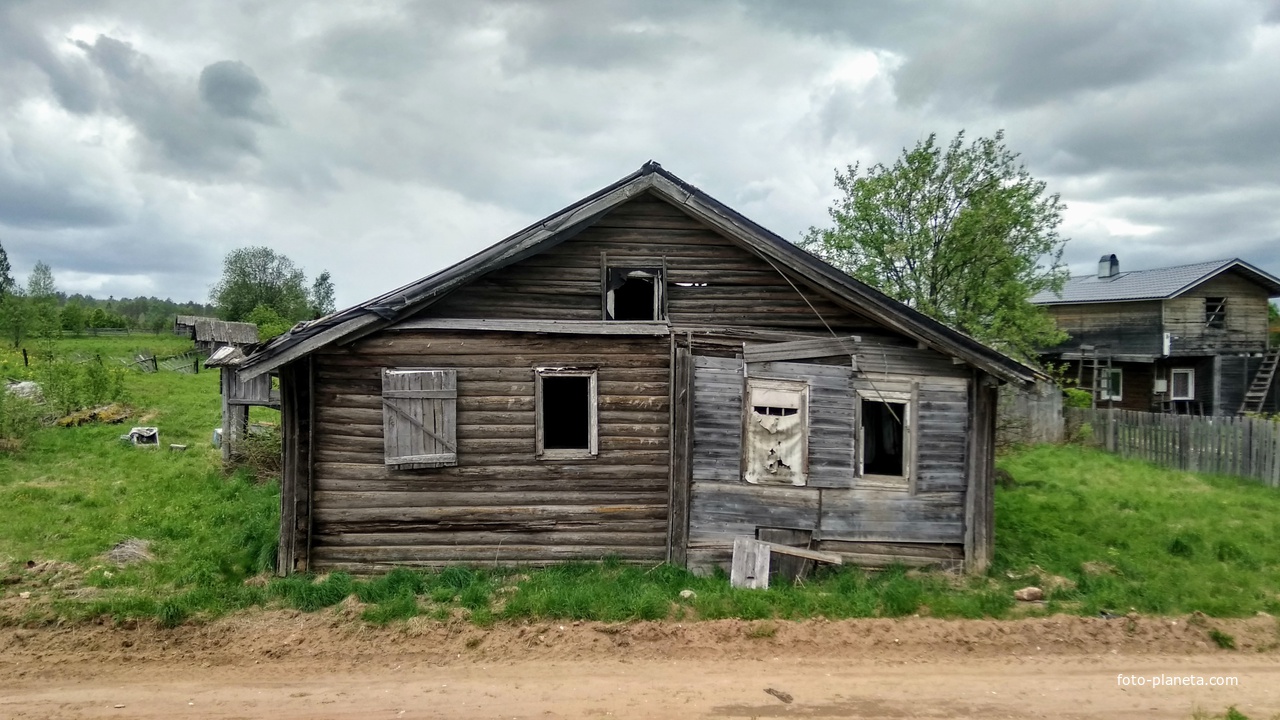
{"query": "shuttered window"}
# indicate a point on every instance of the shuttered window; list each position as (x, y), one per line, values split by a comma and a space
(419, 417)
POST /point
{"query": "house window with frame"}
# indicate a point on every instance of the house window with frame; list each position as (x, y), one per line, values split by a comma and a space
(886, 437)
(1184, 384)
(566, 402)
(1112, 386)
(777, 432)
(634, 294)
(1215, 313)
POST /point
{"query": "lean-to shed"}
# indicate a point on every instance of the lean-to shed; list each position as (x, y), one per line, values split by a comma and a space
(644, 374)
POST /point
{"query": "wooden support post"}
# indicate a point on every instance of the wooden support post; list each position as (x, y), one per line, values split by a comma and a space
(681, 456)
(293, 554)
(979, 533)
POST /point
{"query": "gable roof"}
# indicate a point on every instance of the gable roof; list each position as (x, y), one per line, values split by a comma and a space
(1154, 284)
(564, 224)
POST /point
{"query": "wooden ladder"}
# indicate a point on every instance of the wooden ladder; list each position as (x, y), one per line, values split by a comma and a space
(1256, 396)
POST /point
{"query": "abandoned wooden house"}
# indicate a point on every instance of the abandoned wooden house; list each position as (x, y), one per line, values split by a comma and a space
(1191, 339)
(645, 374)
(210, 334)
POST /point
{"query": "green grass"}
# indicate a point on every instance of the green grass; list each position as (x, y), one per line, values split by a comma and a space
(1177, 542)
(1125, 534)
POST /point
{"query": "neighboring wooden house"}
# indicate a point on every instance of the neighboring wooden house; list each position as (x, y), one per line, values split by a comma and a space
(210, 334)
(1186, 339)
(644, 374)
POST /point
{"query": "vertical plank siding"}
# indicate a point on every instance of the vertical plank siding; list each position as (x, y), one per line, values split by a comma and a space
(869, 524)
(499, 504)
(1243, 446)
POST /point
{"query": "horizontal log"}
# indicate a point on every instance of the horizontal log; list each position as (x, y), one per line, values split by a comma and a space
(630, 555)
(497, 360)
(482, 518)
(537, 474)
(439, 343)
(374, 445)
(468, 458)
(326, 499)
(334, 377)
(650, 481)
(565, 538)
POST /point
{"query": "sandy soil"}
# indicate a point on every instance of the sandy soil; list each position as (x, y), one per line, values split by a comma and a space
(283, 665)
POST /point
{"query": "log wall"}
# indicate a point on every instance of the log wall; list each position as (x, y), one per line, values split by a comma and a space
(710, 280)
(500, 503)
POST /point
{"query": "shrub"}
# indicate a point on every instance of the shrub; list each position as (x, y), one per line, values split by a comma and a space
(70, 386)
(1076, 398)
(19, 417)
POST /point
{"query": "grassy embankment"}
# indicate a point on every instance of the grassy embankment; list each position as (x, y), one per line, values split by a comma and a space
(1117, 535)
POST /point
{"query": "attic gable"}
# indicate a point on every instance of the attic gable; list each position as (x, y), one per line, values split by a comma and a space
(578, 217)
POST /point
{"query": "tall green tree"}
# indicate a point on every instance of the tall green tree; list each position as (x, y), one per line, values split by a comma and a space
(322, 295)
(6, 273)
(256, 276)
(15, 315)
(962, 233)
(42, 294)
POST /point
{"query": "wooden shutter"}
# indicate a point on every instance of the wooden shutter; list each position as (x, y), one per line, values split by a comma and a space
(419, 417)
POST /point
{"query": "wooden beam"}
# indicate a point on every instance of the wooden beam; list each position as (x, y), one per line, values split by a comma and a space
(800, 349)
(568, 327)
(979, 530)
(825, 557)
(681, 455)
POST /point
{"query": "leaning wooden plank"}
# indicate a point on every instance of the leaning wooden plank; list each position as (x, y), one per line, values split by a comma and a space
(799, 349)
(802, 553)
(750, 564)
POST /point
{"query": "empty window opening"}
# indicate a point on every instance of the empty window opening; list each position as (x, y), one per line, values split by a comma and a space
(1215, 313)
(566, 413)
(1112, 385)
(883, 439)
(634, 294)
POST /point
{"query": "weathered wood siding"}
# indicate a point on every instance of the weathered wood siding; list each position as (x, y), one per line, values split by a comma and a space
(500, 503)
(710, 280)
(1246, 325)
(871, 524)
(1128, 328)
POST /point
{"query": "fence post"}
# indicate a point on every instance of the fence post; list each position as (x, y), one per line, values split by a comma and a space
(1111, 429)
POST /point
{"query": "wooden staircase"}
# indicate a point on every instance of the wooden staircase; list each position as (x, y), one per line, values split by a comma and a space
(1256, 396)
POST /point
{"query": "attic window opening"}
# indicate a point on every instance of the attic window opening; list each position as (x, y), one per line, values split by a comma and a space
(884, 438)
(634, 294)
(566, 401)
(1215, 313)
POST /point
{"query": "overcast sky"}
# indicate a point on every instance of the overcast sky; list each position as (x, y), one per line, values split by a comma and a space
(139, 142)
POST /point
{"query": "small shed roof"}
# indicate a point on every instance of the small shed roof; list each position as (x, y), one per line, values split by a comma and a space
(1153, 284)
(213, 330)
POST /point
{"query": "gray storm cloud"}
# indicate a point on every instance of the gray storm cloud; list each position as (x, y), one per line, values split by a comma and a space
(425, 129)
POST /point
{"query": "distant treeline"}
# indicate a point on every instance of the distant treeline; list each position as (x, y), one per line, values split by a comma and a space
(77, 313)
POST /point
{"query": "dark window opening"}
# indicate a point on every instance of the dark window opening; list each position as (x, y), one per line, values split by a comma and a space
(634, 294)
(778, 411)
(882, 438)
(566, 413)
(1215, 312)
(633, 300)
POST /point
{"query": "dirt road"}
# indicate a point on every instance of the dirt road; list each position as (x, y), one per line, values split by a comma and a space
(283, 666)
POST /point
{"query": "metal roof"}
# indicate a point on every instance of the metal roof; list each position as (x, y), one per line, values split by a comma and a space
(1154, 284)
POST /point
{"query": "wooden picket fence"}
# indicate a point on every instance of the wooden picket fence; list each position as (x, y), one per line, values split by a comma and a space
(1243, 446)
